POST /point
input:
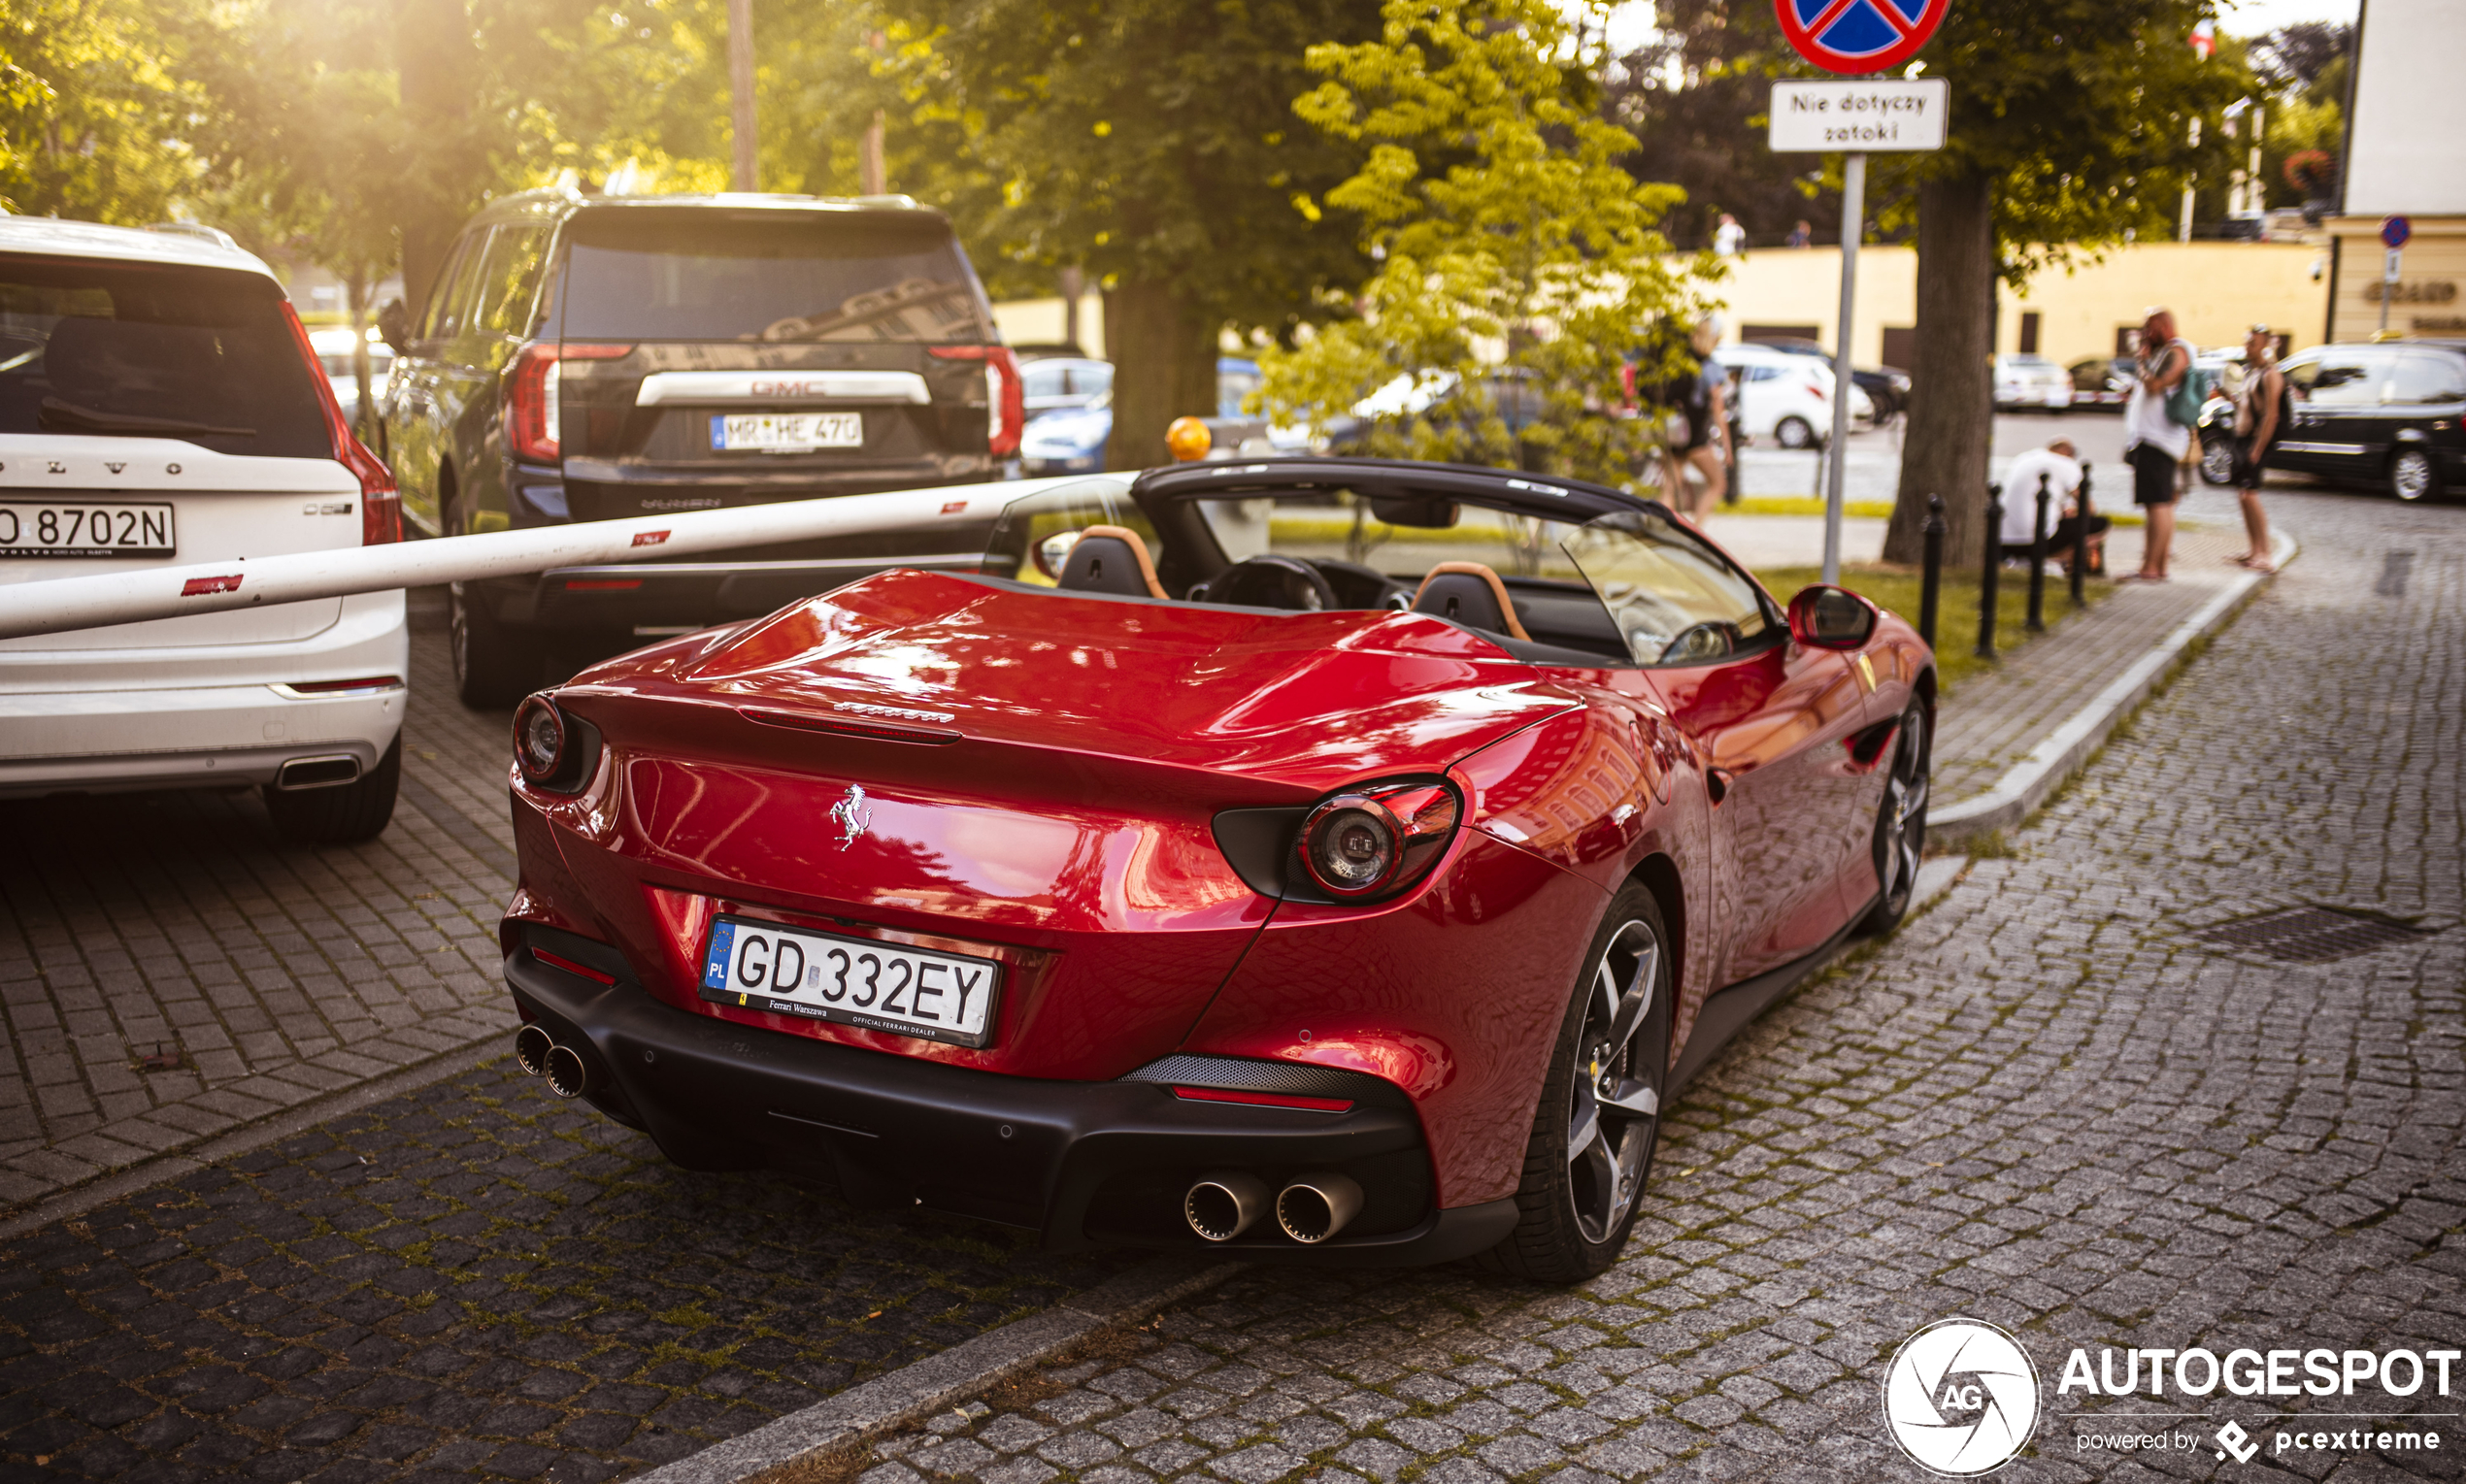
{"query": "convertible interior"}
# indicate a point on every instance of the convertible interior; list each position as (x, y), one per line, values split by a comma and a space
(1521, 562)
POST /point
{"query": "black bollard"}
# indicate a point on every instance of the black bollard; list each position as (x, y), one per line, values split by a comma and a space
(1931, 574)
(1986, 579)
(2080, 542)
(2038, 559)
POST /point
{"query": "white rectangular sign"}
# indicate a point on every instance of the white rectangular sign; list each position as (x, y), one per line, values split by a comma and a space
(1852, 113)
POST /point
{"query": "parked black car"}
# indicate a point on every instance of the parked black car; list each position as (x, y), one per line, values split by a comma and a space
(590, 358)
(2386, 415)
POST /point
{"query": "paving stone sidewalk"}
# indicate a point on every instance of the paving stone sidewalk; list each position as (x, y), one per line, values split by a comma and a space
(476, 1281)
(1992, 721)
(2046, 1103)
(175, 922)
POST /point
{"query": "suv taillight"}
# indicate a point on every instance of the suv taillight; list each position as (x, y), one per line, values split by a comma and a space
(380, 503)
(1006, 395)
(532, 410)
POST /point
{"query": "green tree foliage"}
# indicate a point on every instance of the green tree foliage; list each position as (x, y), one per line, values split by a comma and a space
(1516, 255)
(1151, 142)
(2070, 131)
(90, 115)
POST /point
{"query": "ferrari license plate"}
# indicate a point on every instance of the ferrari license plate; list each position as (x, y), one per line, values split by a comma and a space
(858, 981)
(786, 432)
(85, 528)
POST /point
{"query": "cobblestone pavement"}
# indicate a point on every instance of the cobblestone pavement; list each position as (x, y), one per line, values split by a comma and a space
(475, 1280)
(174, 922)
(2044, 1104)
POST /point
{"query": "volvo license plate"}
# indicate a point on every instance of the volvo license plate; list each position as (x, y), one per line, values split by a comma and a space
(85, 528)
(786, 432)
(858, 981)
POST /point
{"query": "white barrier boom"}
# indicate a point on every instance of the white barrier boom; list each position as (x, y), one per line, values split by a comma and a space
(58, 605)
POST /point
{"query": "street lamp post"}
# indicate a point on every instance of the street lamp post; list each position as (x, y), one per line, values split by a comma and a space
(741, 93)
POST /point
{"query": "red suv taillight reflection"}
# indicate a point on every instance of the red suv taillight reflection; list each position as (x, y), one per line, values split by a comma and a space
(1005, 394)
(533, 414)
(380, 503)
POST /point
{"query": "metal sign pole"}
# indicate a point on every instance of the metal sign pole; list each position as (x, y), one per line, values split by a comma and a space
(1854, 207)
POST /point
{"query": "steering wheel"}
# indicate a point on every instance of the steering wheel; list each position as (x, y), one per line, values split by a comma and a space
(1272, 580)
(1707, 640)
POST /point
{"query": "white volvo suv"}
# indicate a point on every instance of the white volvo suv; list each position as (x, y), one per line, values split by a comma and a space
(159, 404)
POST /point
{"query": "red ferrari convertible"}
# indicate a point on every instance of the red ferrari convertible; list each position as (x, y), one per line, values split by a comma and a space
(1336, 860)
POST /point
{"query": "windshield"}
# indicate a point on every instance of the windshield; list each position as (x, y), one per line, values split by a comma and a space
(143, 351)
(649, 273)
(1674, 600)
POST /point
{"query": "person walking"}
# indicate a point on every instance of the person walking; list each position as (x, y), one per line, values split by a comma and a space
(1708, 425)
(2262, 412)
(2154, 443)
(1729, 239)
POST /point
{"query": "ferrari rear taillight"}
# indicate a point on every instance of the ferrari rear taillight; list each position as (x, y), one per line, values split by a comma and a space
(538, 739)
(1368, 842)
(534, 413)
(380, 503)
(1006, 395)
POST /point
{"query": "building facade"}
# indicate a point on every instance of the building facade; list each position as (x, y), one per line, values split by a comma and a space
(2406, 156)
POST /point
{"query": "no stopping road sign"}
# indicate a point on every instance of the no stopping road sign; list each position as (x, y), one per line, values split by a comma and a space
(1855, 36)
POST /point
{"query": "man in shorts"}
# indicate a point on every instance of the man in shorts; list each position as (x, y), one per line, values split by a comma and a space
(2154, 443)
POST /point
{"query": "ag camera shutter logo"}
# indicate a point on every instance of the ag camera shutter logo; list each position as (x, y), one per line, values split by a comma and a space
(1960, 1398)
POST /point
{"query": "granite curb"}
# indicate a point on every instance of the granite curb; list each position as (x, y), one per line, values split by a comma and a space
(2062, 752)
(890, 1401)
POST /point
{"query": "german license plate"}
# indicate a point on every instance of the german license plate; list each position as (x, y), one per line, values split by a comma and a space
(858, 981)
(786, 432)
(85, 528)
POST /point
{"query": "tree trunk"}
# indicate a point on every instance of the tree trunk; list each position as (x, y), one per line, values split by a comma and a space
(437, 59)
(1951, 391)
(1163, 348)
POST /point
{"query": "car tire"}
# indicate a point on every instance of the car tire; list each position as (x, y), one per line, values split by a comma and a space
(2217, 461)
(343, 815)
(1900, 822)
(2413, 475)
(1578, 1196)
(1795, 432)
(493, 667)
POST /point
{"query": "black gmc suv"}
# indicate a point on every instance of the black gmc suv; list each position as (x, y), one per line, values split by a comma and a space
(589, 358)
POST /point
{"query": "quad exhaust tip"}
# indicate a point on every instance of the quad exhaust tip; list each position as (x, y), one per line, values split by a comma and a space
(531, 1046)
(1222, 1205)
(1316, 1207)
(561, 1067)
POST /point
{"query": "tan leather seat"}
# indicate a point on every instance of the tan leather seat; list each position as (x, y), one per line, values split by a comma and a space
(1470, 594)
(1109, 559)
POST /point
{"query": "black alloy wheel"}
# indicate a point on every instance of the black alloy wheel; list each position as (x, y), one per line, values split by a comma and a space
(1600, 1113)
(1900, 825)
(2412, 475)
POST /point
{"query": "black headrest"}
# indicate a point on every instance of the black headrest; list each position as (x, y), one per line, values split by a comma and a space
(1105, 564)
(1464, 598)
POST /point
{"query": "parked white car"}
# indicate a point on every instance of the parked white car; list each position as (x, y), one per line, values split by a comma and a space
(1784, 397)
(333, 346)
(2024, 379)
(160, 404)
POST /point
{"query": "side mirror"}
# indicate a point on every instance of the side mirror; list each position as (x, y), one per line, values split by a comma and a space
(1824, 617)
(393, 326)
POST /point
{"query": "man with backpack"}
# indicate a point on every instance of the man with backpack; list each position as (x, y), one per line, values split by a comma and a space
(2158, 420)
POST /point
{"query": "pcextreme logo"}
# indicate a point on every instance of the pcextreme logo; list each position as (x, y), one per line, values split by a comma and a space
(1960, 1398)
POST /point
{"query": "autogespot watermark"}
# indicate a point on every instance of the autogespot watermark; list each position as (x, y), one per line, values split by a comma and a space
(1960, 1398)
